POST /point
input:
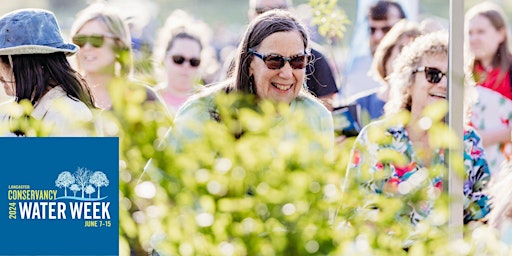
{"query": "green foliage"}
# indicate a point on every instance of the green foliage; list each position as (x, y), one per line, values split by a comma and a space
(21, 122)
(249, 186)
(259, 183)
(140, 125)
(253, 186)
(330, 19)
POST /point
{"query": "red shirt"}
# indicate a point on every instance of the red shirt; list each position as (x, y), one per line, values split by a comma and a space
(489, 79)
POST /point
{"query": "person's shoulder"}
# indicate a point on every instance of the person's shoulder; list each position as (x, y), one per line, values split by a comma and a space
(151, 92)
(6, 107)
(201, 103)
(309, 102)
(388, 125)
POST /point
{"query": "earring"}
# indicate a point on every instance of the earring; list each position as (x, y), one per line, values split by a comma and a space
(251, 84)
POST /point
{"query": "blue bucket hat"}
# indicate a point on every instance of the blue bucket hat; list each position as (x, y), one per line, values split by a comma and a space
(32, 31)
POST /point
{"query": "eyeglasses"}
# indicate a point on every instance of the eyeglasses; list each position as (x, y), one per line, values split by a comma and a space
(384, 29)
(261, 10)
(433, 75)
(178, 59)
(275, 61)
(95, 40)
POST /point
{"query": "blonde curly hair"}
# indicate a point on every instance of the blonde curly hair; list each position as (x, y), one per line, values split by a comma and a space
(431, 44)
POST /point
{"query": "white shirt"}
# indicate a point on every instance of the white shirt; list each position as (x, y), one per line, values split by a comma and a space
(62, 115)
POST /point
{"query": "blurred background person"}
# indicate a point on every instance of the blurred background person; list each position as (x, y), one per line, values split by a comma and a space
(372, 100)
(500, 193)
(489, 42)
(179, 58)
(141, 17)
(320, 81)
(34, 68)
(381, 16)
(105, 52)
(127, 105)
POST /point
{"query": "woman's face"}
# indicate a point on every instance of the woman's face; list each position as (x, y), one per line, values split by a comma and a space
(484, 39)
(423, 92)
(184, 74)
(7, 79)
(283, 84)
(99, 59)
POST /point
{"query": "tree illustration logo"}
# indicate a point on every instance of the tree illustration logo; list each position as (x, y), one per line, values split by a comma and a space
(83, 180)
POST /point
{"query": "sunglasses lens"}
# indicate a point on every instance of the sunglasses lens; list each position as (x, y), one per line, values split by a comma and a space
(298, 62)
(274, 62)
(433, 75)
(260, 10)
(79, 40)
(178, 59)
(195, 62)
(96, 41)
(384, 30)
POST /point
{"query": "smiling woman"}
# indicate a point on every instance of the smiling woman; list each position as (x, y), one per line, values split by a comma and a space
(418, 95)
(269, 65)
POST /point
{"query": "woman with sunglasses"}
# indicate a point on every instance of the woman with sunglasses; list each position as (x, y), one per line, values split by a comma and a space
(401, 155)
(178, 50)
(269, 64)
(105, 53)
(489, 41)
(372, 101)
(34, 69)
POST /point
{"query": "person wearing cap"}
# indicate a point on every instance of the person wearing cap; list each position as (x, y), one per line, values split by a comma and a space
(34, 68)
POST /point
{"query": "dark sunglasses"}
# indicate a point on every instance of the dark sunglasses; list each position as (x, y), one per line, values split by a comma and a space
(433, 75)
(275, 61)
(261, 10)
(178, 59)
(384, 30)
(95, 40)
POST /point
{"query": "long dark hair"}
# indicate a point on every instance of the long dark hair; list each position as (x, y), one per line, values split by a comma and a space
(34, 73)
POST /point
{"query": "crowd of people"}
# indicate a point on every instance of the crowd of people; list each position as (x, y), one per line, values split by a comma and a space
(277, 61)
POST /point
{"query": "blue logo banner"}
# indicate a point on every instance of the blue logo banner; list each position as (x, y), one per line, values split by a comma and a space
(59, 196)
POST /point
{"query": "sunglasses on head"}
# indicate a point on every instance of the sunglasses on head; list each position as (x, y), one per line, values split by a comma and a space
(95, 40)
(275, 61)
(178, 59)
(384, 30)
(432, 75)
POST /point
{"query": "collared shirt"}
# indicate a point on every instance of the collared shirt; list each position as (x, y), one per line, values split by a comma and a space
(394, 179)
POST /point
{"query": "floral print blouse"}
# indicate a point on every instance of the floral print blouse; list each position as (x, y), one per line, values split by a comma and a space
(405, 174)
